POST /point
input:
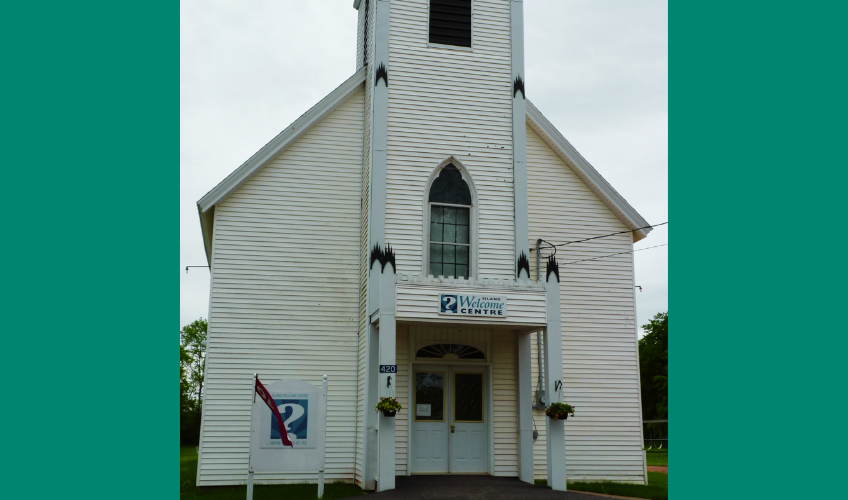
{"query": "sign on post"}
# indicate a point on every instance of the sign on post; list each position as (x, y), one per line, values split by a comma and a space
(388, 368)
(303, 408)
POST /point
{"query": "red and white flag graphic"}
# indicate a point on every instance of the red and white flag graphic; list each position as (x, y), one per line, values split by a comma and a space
(263, 393)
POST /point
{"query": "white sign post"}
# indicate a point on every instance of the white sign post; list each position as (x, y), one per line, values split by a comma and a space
(304, 409)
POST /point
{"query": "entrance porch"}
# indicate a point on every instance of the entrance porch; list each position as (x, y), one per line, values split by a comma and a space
(464, 381)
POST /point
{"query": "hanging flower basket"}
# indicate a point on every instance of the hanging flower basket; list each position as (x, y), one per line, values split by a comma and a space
(388, 406)
(559, 411)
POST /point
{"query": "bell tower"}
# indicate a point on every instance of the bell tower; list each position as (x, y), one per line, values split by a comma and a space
(444, 84)
(446, 78)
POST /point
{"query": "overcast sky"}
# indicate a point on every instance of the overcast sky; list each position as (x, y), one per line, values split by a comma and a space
(597, 69)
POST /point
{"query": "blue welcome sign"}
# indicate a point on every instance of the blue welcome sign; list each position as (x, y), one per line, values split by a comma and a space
(294, 407)
(461, 304)
(295, 413)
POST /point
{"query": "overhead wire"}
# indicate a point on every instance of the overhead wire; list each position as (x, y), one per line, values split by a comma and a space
(539, 249)
(614, 254)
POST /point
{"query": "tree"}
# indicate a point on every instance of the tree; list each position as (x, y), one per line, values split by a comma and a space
(185, 387)
(653, 368)
(192, 368)
(193, 340)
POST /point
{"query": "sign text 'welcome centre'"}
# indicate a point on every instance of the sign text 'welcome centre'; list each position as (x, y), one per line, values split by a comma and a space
(460, 304)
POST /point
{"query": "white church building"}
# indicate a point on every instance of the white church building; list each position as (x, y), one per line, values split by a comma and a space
(396, 223)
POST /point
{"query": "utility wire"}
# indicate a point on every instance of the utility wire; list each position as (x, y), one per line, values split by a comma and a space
(551, 245)
(613, 254)
(608, 235)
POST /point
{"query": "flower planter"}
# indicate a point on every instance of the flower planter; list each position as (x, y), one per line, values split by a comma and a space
(559, 411)
(388, 407)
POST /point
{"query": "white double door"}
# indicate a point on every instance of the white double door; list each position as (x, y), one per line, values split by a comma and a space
(450, 428)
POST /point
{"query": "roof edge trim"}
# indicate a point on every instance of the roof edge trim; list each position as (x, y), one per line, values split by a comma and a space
(593, 179)
(283, 140)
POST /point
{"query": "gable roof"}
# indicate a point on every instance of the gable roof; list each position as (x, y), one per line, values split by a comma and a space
(587, 173)
(605, 192)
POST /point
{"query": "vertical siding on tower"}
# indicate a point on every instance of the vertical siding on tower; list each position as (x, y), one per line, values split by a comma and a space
(446, 102)
(284, 294)
(598, 323)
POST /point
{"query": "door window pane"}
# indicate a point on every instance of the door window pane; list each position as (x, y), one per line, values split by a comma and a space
(429, 396)
(468, 397)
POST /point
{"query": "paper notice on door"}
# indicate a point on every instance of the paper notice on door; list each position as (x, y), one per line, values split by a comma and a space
(422, 410)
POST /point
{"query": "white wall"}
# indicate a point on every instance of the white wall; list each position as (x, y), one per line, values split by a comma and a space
(600, 364)
(285, 290)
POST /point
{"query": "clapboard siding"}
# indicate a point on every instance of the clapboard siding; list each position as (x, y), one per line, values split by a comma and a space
(402, 395)
(505, 402)
(285, 293)
(446, 102)
(598, 323)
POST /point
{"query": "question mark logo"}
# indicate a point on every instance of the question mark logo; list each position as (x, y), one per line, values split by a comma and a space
(297, 412)
(449, 304)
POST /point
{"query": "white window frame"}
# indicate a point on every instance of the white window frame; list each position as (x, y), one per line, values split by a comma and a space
(473, 223)
(451, 47)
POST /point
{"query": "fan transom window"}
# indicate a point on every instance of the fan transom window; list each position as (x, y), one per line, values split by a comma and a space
(450, 351)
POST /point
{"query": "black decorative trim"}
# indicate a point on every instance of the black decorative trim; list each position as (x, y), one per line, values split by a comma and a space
(389, 258)
(518, 85)
(553, 267)
(383, 73)
(376, 255)
(383, 257)
(523, 263)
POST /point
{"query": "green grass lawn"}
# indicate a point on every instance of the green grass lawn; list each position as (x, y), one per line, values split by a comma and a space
(657, 488)
(657, 458)
(188, 477)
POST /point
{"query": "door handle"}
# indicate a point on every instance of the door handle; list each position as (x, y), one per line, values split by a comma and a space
(453, 428)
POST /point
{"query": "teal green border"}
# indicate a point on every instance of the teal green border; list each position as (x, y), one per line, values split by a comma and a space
(757, 129)
(90, 169)
(90, 163)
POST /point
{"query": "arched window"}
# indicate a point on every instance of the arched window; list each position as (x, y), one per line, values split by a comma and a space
(450, 351)
(450, 204)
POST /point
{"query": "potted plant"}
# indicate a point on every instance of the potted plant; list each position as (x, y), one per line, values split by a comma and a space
(559, 411)
(389, 406)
